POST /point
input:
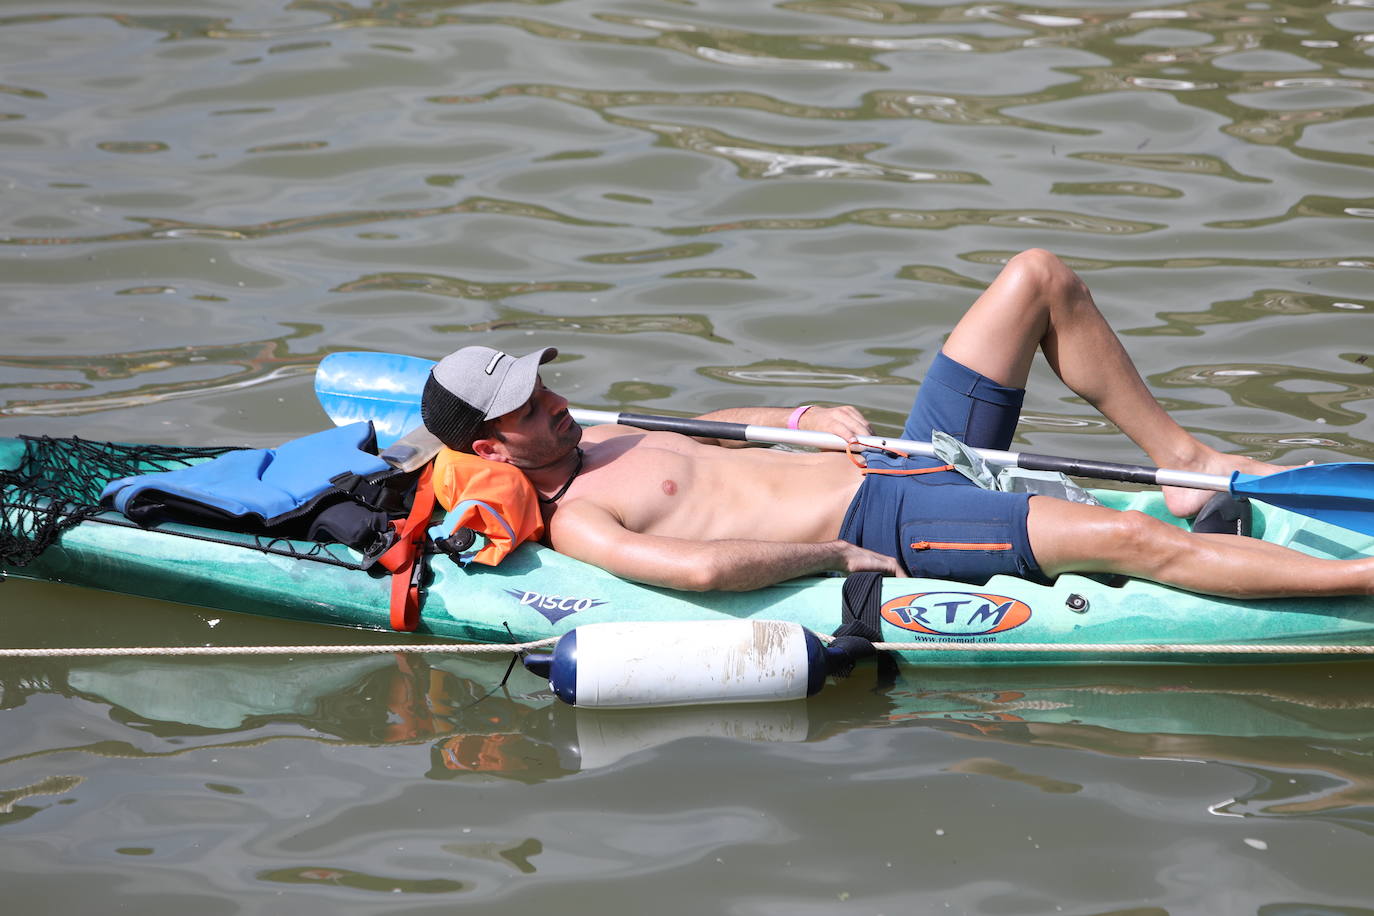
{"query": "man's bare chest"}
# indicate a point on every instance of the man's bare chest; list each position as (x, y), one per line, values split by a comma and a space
(661, 483)
(639, 476)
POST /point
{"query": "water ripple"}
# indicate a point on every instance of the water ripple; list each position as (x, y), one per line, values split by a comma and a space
(877, 104)
(163, 228)
(787, 373)
(458, 288)
(1262, 304)
(945, 219)
(1288, 389)
(249, 365)
(1191, 262)
(513, 320)
(1191, 163)
(1309, 207)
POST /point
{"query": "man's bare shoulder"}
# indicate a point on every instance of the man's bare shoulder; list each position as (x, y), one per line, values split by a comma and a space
(594, 434)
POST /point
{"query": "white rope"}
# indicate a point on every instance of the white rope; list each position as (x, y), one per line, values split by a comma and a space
(1130, 648)
(505, 648)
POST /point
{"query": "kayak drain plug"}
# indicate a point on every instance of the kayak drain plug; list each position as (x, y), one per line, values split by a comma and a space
(1077, 603)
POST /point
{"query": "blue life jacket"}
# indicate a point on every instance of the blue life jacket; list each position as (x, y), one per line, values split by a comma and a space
(288, 491)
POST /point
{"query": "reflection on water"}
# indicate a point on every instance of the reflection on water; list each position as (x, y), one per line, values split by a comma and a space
(384, 774)
(408, 774)
(701, 205)
(472, 721)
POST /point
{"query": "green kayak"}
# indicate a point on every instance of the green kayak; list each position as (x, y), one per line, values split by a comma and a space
(537, 593)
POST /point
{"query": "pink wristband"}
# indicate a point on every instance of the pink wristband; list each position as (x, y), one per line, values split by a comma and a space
(794, 421)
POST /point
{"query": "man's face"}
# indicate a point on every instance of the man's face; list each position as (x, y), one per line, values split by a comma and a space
(539, 432)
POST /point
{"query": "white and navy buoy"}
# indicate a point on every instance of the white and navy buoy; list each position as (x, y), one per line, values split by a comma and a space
(665, 663)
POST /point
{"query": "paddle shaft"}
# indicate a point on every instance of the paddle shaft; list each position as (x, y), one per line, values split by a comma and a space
(385, 388)
(742, 432)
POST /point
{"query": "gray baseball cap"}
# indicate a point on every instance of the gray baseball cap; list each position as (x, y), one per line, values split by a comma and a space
(476, 384)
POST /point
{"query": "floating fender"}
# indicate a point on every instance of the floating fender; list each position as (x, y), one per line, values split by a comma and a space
(607, 665)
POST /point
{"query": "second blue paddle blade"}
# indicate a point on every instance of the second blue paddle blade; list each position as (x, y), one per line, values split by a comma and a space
(1341, 494)
(381, 387)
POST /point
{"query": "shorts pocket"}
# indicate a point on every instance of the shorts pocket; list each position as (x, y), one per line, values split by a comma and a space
(969, 551)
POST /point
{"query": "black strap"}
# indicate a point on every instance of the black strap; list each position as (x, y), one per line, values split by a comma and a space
(863, 596)
(862, 626)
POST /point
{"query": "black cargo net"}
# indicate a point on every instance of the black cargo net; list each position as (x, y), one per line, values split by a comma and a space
(58, 482)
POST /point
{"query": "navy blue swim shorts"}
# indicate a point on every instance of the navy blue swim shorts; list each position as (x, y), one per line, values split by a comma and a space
(942, 525)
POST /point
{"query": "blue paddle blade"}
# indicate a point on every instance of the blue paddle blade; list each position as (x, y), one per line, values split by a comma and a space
(1341, 494)
(381, 387)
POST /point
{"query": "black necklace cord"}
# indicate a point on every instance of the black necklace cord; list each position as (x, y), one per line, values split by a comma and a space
(548, 500)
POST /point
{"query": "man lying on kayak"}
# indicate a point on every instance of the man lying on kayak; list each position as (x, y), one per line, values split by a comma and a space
(670, 510)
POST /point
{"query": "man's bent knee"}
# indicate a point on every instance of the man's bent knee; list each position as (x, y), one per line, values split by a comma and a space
(1043, 272)
(1068, 537)
(1141, 545)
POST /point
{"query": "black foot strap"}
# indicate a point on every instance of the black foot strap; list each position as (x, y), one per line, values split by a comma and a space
(1224, 514)
(862, 626)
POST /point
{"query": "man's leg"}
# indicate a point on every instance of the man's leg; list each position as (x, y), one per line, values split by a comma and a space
(1038, 303)
(1069, 537)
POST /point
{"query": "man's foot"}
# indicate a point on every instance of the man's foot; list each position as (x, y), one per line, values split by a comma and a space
(1185, 502)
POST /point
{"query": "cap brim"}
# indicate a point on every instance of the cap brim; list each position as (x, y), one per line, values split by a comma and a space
(519, 382)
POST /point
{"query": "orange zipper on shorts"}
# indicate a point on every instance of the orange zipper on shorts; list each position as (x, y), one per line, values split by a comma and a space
(956, 545)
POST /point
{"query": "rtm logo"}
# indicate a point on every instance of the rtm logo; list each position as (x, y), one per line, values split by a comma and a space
(956, 613)
(554, 607)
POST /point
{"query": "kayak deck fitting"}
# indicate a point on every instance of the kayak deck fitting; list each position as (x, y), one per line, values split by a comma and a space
(537, 593)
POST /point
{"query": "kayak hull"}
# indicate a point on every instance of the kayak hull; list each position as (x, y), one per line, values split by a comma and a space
(537, 593)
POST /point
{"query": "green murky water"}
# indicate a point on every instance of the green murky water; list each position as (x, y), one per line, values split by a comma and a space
(701, 204)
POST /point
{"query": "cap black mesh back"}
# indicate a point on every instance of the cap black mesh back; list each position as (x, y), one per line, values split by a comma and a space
(451, 419)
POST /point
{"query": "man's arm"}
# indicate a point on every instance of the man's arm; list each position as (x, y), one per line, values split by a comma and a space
(845, 422)
(589, 533)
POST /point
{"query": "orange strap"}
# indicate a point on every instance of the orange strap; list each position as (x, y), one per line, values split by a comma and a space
(403, 558)
(900, 472)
